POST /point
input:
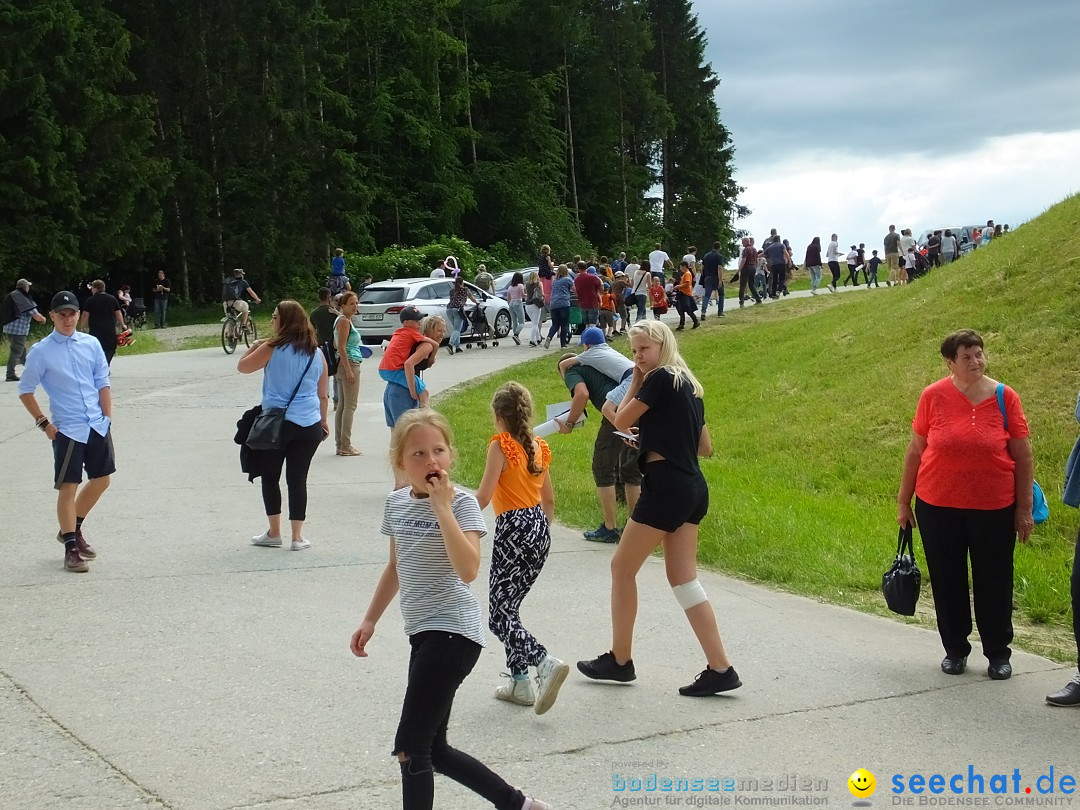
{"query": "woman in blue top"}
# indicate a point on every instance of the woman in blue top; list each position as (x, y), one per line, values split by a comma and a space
(292, 362)
(559, 305)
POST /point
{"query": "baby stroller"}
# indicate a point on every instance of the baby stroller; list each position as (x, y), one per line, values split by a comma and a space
(135, 314)
(477, 329)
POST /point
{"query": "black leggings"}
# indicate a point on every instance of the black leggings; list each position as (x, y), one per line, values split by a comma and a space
(439, 662)
(834, 268)
(988, 536)
(298, 445)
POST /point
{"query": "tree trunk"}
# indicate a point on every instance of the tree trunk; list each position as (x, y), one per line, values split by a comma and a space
(468, 88)
(213, 147)
(178, 220)
(570, 142)
(666, 144)
(622, 141)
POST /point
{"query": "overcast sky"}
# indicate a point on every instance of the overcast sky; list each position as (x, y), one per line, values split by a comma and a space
(849, 115)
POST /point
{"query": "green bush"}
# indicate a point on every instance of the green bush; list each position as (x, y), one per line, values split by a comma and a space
(407, 262)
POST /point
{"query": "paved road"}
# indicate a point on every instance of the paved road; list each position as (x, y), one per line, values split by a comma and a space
(192, 670)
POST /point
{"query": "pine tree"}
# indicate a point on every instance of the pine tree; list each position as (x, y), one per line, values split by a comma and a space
(697, 157)
(79, 185)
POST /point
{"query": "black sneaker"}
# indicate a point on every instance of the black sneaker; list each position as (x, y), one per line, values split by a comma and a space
(711, 682)
(606, 668)
(602, 534)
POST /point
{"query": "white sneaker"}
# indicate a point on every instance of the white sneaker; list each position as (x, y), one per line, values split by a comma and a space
(550, 674)
(266, 540)
(299, 545)
(519, 692)
(535, 804)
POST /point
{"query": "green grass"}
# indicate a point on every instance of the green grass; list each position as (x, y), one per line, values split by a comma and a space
(810, 406)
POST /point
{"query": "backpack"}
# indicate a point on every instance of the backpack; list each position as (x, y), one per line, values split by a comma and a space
(337, 284)
(330, 351)
(231, 290)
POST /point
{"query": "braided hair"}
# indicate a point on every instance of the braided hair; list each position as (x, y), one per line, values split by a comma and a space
(513, 405)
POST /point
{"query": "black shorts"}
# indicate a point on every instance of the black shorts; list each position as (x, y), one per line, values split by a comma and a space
(670, 497)
(70, 457)
(613, 460)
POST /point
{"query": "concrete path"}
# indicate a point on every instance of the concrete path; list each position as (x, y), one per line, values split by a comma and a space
(192, 670)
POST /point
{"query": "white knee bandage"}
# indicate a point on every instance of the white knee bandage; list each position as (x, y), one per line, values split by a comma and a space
(689, 595)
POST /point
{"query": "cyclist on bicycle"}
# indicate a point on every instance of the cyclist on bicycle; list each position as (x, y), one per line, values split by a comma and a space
(236, 292)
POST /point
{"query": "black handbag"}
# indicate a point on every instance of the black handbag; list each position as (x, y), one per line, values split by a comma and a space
(902, 582)
(265, 433)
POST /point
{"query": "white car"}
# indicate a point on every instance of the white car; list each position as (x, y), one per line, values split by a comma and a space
(377, 316)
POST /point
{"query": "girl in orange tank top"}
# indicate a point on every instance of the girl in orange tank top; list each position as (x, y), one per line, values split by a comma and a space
(517, 484)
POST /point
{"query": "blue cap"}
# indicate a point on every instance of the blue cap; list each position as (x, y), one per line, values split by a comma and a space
(592, 270)
(593, 336)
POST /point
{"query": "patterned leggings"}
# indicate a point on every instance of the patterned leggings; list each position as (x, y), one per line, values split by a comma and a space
(522, 542)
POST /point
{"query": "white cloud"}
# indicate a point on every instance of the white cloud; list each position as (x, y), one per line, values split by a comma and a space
(1009, 179)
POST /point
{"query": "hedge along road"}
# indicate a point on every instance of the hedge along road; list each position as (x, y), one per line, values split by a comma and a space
(192, 670)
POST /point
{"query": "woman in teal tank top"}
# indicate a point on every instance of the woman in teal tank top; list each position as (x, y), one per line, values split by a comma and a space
(347, 342)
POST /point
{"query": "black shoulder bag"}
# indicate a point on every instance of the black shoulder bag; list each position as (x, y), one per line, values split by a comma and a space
(265, 433)
(902, 582)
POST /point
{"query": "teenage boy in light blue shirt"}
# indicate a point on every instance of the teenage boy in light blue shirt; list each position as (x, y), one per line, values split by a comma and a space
(71, 367)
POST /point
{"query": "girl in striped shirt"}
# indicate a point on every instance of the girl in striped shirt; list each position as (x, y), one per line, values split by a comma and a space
(435, 532)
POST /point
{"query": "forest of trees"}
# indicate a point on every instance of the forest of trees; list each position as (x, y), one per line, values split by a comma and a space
(194, 136)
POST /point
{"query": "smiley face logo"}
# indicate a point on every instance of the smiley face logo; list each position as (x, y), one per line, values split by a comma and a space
(862, 784)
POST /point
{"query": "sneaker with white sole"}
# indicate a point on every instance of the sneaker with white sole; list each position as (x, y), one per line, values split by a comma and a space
(550, 674)
(265, 539)
(535, 804)
(711, 682)
(519, 692)
(299, 545)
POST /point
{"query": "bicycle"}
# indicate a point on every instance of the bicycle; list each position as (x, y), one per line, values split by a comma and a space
(232, 331)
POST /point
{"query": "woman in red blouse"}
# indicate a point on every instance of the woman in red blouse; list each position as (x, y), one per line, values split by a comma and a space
(971, 478)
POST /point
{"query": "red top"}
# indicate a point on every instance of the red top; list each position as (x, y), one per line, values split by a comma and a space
(966, 464)
(588, 289)
(402, 344)
(657, 295)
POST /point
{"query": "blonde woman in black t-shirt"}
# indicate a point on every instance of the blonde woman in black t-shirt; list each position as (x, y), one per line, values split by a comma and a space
(664, 406)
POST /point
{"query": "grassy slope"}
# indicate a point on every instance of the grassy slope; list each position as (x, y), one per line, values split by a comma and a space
(810, 404)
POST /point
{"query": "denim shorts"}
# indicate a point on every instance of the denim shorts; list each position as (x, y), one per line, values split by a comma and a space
(397, 400)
